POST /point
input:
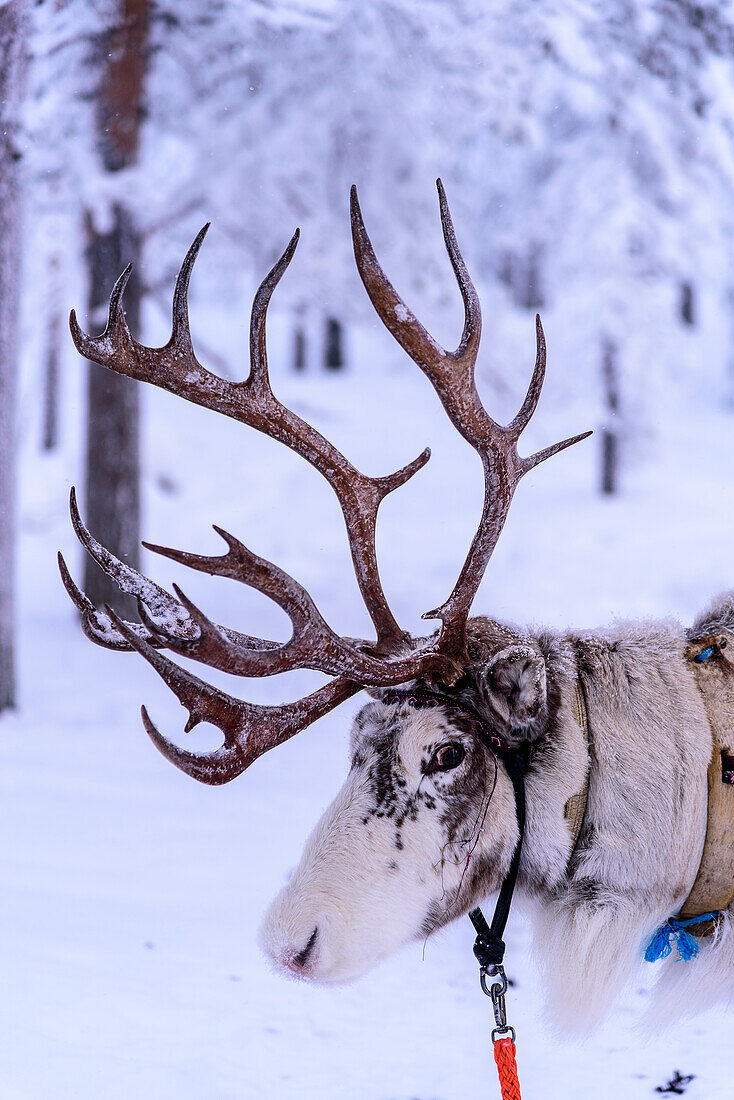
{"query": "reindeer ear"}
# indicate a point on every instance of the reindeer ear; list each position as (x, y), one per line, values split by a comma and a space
(513, 684)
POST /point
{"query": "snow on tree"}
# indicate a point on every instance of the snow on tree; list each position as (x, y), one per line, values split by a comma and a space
(12, 58)
(113, 402)
(587, 152)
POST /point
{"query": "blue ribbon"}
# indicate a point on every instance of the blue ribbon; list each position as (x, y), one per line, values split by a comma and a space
(673, 932)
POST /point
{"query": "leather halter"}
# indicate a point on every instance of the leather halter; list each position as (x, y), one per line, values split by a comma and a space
(575, 808)
(489, 947)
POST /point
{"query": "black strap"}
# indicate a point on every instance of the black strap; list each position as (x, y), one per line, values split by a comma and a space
(489, 946)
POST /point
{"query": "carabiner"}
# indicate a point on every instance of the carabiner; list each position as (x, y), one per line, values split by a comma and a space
(496, 992)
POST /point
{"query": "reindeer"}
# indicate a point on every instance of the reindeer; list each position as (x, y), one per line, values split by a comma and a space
(615, 722)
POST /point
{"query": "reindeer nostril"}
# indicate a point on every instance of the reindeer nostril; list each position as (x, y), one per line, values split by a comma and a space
(302, 957)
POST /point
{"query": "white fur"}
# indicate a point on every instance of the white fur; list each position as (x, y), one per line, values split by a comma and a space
(367, 897)
(636, 858)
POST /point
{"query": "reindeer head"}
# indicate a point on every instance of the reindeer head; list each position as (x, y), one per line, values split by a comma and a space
(424, 824)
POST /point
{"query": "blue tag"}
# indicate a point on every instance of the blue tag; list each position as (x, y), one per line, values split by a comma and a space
(660, 946)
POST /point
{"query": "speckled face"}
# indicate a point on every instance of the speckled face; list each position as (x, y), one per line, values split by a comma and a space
(423, 764)
(423, 828)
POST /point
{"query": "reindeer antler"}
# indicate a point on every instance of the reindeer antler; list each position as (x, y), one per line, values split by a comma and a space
(176, 623)
(451, 374)
(176, 368)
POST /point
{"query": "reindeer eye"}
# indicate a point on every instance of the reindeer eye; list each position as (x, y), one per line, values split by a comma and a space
(448, 757)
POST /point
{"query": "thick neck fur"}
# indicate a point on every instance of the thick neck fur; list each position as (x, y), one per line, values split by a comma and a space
(641, 841)
(413, 841)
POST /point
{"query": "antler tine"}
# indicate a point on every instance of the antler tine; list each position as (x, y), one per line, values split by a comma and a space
(452, 376)
(440, 365)
(180, 328)
(212, 768)
(166, 641)
(530, 404)
(249, 730)
(203, 702)
(312, 644)
(116, 323)
(95, 624)
(241, 564)
(387, 484)
(451, 373)
(164, 608)
(81, 601)
(472, 334)
(548, 452)
(258, 339)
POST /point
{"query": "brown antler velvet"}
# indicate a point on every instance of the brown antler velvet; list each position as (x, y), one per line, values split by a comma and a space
(177, 624)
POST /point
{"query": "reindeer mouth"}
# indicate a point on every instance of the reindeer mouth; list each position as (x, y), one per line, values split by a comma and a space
(299, 962)
(315, 957)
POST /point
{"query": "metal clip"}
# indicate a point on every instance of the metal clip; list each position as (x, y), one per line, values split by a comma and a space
(496, 992)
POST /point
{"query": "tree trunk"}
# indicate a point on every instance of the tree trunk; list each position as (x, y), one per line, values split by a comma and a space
(113, 458)
(687, 308)
(54, 328)
(334, 351)
(729, 379)
(299, 341)
(609, 462)
(609, 433)
(113, 403)
(12, 56)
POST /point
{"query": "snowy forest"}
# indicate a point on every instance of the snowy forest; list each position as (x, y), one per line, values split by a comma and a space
(587, 151)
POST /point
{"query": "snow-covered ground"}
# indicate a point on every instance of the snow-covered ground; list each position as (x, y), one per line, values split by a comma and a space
(131, 895)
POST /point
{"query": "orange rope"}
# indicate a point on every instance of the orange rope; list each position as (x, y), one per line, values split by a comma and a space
(504, 1056)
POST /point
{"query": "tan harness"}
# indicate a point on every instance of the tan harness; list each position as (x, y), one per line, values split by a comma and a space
(713, 888)
(576, 805)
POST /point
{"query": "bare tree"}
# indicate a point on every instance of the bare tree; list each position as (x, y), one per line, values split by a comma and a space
(113, 447)
(610, 432)
(52, 354)
(687, 304)
(300, 349)
(334, 349)
(12, 57)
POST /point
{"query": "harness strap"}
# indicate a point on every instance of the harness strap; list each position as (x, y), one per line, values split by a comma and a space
(713, 889)
(489, 947)
(575, 810)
